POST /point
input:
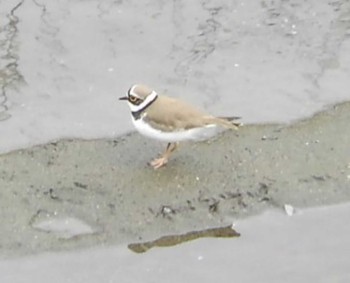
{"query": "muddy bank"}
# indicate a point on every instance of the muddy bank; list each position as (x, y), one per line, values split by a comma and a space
(75, 193)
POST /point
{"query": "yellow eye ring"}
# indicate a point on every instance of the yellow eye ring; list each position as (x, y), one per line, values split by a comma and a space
(132, 98)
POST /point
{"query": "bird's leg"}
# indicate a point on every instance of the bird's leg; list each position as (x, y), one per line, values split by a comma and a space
(159, 162)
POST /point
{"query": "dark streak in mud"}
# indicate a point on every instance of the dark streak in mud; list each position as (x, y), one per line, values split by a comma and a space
(172, 240)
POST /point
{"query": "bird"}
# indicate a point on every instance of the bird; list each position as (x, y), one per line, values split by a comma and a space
(171, 120)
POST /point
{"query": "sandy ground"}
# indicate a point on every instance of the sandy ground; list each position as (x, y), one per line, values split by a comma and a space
(114, 196)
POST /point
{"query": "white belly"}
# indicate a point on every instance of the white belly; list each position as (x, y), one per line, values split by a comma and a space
(182, 135)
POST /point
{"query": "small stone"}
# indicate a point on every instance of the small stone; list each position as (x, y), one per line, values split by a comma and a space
(289, 209)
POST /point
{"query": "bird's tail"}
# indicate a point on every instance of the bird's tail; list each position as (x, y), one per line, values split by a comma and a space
(229, 122)
(226, 122)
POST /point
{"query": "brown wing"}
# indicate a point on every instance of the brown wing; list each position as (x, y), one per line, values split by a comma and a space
(169, 114)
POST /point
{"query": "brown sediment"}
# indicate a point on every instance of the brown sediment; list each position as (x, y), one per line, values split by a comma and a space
(172, 240)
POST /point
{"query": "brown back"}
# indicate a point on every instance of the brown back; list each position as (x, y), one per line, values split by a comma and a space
(167, 114)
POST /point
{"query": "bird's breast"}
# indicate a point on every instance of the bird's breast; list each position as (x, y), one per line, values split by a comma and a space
(200, 133)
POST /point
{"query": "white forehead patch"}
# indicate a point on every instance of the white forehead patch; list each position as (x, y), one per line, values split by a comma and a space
(132, 92)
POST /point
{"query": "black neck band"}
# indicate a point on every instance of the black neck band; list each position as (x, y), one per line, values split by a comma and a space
(137, 114)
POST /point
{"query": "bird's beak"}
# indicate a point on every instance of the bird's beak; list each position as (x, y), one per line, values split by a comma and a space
(123, 98)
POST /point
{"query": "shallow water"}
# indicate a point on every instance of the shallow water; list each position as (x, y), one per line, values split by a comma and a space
(310, 246)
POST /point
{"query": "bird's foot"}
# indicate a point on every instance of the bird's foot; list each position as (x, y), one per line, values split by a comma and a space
(159, 162)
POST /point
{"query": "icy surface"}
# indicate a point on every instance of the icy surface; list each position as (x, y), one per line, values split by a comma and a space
(311, 246)
(65, 63)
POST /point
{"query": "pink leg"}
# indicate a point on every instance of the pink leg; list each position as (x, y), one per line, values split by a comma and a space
(159, 162)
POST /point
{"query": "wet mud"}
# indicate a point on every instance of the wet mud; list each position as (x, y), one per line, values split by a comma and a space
(107, 188)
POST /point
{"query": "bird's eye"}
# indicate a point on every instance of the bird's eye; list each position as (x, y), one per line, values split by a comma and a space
(132, 98)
